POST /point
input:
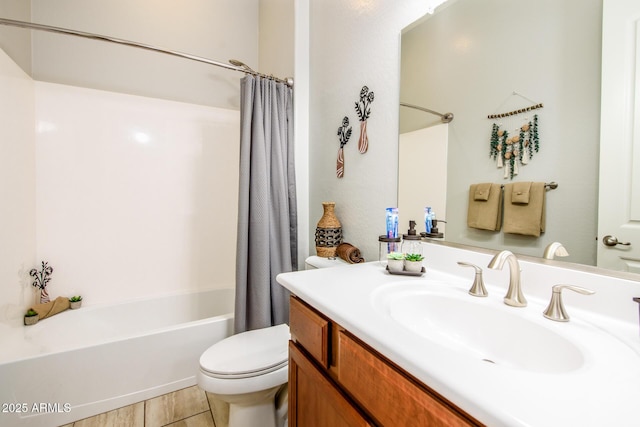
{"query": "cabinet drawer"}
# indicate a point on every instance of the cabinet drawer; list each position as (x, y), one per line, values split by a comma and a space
(389, 395)
(310, 330)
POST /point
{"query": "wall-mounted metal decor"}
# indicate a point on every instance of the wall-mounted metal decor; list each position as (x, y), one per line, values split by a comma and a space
(363, 108)
(344, 133)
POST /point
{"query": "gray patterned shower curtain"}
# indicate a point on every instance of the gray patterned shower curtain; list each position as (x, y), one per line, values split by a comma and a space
(267, 217)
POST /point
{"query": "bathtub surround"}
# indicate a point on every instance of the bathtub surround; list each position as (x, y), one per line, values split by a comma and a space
(134, 195)
(126, 195)
(267, 216)
(17, 186)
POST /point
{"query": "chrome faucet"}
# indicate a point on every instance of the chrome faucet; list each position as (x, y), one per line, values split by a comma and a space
(514, 296)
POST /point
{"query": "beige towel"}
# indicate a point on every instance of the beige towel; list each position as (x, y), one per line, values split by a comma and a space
(482, 191)
(349, 253)
(521, 193)
(527, 219)
(48, 309)
(485, 214)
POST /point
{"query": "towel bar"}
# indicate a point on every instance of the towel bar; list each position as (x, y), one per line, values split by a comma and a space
(549, 185)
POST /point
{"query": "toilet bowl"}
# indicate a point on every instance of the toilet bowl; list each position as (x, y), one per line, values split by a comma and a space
(250, 370)
(247, 370)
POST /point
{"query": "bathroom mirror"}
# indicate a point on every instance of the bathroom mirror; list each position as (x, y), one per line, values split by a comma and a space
(469, 58)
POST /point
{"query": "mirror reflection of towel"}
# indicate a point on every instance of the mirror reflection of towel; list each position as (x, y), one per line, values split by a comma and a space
(485, 207)
(524, 218)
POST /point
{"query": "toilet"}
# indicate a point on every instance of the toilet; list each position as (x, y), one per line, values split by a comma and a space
(250, 370)
(246, 370)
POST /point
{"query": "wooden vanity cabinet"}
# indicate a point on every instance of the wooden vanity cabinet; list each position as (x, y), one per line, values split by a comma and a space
(337, 380)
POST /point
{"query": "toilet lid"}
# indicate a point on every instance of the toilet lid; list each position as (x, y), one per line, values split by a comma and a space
(248, 354)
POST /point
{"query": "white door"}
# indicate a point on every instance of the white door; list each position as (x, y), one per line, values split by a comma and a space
(619, 195)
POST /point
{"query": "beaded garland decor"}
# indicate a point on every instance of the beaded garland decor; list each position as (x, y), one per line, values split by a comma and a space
(510, 150)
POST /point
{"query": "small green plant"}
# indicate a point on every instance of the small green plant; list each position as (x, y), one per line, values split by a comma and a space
(395, 255)
(30, 313)
(75, 299)
(413, 257)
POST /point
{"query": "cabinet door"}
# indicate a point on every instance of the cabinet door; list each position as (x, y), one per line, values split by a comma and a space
(314, 401)
(388, 395)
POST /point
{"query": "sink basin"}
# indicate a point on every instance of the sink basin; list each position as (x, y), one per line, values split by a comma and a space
(491, 333)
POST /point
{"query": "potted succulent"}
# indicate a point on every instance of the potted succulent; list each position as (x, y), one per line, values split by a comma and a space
(413, 262)
(75, 302)
(31, 317)
(395, 261)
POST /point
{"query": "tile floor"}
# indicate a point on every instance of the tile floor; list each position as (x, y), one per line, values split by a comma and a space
(189, 407)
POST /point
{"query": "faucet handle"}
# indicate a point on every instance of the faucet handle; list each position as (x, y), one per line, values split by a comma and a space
(477, 289)
(555, 310)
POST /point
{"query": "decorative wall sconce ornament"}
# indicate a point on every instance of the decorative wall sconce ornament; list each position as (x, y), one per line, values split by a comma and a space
(344, 133)
(509, 151)
(363, 108)
(41, 279)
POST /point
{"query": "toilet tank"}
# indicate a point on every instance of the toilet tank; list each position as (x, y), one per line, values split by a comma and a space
(319, 262)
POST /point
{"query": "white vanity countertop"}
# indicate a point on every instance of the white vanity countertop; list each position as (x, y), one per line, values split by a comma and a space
(604, 390)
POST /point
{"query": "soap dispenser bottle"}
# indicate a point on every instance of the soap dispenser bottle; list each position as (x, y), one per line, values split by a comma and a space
(411, 243)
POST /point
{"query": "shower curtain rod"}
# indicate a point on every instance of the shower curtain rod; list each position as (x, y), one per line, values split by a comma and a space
(234, 64)
(446, 118)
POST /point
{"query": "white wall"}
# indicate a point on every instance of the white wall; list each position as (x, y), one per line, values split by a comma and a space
(135, 196)
(355, 43)
(219, 30)
(276, 37)
(301, 123)
(17, 190)
(16, 42)
(469, 58)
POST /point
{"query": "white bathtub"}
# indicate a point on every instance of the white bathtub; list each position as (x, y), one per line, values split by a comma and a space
(84, 362)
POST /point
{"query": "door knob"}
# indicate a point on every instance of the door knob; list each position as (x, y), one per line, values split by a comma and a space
(612, 241)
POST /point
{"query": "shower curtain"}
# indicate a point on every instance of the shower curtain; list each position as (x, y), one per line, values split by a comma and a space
(267, 221)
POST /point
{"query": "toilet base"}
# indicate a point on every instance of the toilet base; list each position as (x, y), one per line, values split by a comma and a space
(252, 409)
